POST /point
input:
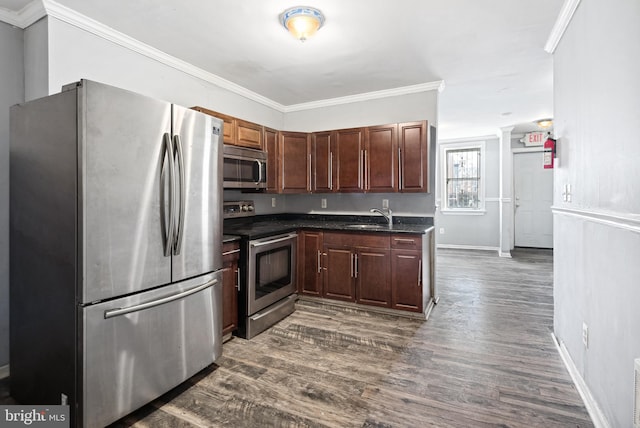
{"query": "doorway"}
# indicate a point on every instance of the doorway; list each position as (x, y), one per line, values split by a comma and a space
(533, 190)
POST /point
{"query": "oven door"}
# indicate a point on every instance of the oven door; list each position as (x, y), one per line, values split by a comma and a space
(271, 272)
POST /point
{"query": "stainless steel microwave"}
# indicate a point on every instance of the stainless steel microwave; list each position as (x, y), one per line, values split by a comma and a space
(244, 168)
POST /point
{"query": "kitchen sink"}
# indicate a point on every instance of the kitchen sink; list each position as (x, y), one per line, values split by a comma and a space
(367, 226)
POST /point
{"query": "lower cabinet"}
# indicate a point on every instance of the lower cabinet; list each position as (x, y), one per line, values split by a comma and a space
(376, 269)
(310, 263)
(406, 271)
(230, 284)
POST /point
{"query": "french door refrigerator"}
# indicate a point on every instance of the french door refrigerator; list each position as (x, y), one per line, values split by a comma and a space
(116, 249)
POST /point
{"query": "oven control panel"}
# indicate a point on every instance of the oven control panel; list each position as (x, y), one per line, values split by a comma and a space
(233, 209)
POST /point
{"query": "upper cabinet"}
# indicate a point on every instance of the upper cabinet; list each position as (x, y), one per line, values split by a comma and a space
(381, 159)
(414, 157)
(321, 162)
(238, 132)
(270, 139)
(384, 159)
(294, 156)
(348, 153)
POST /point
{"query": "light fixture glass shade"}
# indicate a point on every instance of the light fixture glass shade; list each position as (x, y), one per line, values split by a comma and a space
(545, 123)
(302, 21)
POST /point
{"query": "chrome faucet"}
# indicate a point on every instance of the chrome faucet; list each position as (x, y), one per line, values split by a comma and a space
(388, 215)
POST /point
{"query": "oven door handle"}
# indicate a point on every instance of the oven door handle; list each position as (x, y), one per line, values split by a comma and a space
(273, 241)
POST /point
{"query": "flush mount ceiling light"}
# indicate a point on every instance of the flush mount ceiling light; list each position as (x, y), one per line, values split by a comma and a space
(302, 21)
(545, 123)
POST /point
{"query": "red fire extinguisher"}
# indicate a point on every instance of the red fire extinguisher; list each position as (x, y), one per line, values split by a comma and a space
(549, 153)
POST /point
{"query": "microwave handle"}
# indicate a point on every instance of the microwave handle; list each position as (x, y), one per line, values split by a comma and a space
(259, 171)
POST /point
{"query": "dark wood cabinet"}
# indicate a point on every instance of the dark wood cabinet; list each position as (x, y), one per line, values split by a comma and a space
(413, 142)
(310, 263)
(270, 139)
(339, 282)
(248, 134)
(295, 162)
(357, 268)
(381, 159)
(373, 277)
(237, 132)
(407, 273)
(230, 277)
(348, 154)
(321, 162)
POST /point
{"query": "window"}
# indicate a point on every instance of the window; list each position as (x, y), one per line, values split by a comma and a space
(462, 177)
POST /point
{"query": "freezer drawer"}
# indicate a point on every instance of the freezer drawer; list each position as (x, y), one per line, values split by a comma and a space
(136, 348)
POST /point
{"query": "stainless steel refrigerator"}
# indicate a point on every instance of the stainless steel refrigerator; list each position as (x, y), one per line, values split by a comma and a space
(116, 249)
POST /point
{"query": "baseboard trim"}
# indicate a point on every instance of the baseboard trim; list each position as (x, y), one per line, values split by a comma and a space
(468, 247)
(4, 371)
(597, 417)
(504, 254)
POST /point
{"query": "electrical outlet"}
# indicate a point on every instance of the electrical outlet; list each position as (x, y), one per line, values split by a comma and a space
(442, 231)
(273, 202)
(385, 204)
(323, 202)
(585, 335)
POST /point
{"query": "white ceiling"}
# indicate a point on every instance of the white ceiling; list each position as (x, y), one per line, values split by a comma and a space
(489, 53)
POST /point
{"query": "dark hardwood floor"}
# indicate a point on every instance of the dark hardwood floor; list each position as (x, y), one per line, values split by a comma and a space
(485, 358)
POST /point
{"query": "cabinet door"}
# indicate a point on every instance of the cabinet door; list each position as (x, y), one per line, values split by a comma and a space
(348, 151)
(295, 162)
(338, 276)
(270, 139)
(229, 126)
(373, 277)
(321, 161)
(414, 157)
(230, 273)
(310, 263)
(406, 274)
(248, 134)
(381, 158)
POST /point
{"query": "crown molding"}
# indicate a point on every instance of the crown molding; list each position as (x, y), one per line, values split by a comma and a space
(26, 16)
(437, 85)
(468, 139)
(562, 22)
(40, 8)
(96, 28)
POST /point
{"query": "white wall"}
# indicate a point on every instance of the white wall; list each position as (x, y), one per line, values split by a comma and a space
(36, 60)
(597, 234)
(76, 54)
(11, 92)
(475, 231)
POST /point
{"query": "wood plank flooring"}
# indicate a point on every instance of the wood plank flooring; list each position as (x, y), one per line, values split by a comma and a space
(485, 358)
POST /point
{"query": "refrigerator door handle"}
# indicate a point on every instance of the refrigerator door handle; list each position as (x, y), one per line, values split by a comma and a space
(168, 147)
(180, 232)
(135, 308)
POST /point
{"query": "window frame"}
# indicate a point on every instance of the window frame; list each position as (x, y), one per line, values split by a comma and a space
(444, 199)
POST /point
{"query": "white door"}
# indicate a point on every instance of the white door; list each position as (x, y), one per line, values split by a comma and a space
(533, 188)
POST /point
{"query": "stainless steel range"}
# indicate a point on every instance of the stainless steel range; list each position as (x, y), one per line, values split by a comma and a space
(268, 269)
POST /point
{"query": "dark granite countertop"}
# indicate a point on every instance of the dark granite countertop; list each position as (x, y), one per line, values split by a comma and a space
(268, 225)
(230, 238)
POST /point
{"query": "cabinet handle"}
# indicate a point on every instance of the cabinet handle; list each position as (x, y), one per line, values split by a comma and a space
(351, 267)
(330, 170)
(360, 173)
(319, 261)
(238, 279)
(366, 170)
(399, 169)
(419, 272)
(309, 187)
(404, 241)
(356, 266)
